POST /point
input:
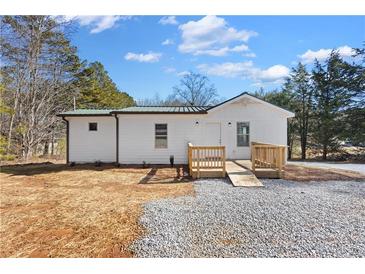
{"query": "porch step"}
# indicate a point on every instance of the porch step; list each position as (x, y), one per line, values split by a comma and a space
(240, 176)
(208, 173)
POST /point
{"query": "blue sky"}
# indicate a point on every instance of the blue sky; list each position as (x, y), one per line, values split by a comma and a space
(145, 55)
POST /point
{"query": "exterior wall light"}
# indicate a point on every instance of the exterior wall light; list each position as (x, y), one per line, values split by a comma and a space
(229, 124)
(196, 123)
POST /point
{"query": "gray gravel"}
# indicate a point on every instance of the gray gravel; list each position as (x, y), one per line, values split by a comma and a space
(346, 166)
(281, 219)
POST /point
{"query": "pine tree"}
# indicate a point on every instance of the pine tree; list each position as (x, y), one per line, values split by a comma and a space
(97, 89)
(285, 99)
(303, 97)
(333, 94)
(354, 115)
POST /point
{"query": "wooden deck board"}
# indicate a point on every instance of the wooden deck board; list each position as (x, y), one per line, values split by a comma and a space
(259, 172)
(240, 176)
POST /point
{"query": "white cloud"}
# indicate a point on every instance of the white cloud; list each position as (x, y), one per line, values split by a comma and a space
(97, 23)
(172, 70)
(247, 70)
(249, 55)
(183, 73)
(150, 57)
(227, 69)
(322, 54)
(167, 42)
(272, 74)
(168, 20)
(240, 48)
(212, 35)
(222, 51)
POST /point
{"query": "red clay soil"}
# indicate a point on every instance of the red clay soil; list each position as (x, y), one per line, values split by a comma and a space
(53, 210)
(305, 174)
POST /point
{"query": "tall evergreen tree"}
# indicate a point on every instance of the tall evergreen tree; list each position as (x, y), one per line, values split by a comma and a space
(354, 115)
(284, 98)
(303, 97)
(97, 89)
(334, 93)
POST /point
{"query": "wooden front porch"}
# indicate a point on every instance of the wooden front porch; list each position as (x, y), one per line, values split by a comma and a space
(267, 161)
(207, 161)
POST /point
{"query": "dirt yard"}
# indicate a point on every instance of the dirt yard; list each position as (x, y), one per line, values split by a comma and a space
(306, 174)
(53, 210)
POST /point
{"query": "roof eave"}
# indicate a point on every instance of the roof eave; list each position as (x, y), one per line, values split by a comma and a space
(82, 115)
(287, 112)
(156, 112)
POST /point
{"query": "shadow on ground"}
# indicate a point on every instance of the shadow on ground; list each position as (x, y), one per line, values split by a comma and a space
(157, 173)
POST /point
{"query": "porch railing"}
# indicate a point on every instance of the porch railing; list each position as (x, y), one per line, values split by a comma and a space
(268, 156)
(206, 158)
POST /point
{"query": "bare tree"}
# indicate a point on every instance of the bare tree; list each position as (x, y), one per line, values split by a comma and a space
(195, 90)
(156, 100)
(38, 66)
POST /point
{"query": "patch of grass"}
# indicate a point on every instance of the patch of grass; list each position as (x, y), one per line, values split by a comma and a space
(53, 210)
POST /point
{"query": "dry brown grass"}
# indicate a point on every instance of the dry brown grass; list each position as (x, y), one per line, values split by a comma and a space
(306, 174)
(53, 210)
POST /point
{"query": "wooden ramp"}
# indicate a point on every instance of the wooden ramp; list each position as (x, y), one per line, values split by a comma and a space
(240, 176)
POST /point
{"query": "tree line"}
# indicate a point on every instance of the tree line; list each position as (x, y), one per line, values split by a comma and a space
(328, 102)
(42, 75)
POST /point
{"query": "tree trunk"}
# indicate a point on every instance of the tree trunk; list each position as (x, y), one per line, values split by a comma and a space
(324, 154)
(11, 125)
(290, 150)
(52, 144)
(46, 149)
(10, 133)
(303, 148)
(27, 153)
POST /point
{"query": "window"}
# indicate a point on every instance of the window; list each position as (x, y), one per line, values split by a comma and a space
(93, 126)
(243, 134)
(160, 135)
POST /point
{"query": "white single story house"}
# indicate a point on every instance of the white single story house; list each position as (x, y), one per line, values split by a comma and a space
(152, 134)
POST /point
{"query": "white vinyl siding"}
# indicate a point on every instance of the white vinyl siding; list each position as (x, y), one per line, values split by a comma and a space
(137, 134)
(88, 146)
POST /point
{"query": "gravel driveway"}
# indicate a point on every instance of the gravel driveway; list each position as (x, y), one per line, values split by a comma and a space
(281, 219)
(347, 166)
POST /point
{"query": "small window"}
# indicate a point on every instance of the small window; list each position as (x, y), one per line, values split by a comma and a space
(93, 126)
(160, 135)
(243, 134)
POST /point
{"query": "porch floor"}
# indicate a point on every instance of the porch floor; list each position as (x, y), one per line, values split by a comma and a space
(259, 172)
(241, 176)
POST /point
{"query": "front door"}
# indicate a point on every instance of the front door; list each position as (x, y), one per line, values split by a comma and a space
(212, 134)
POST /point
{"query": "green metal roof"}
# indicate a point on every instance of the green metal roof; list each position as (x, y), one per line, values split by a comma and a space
(154, 109)
(163, 109)
(87, 112)
(136, 110)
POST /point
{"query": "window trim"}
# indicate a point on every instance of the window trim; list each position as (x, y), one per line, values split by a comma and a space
(96, 126)
(248, 135)
(167, 135)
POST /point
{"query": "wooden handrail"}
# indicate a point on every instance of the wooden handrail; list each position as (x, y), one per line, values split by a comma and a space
(268, 156)
(257, 144)
(206, 157)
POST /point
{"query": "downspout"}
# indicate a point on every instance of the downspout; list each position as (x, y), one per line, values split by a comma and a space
(67, 140)
(117, 139)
